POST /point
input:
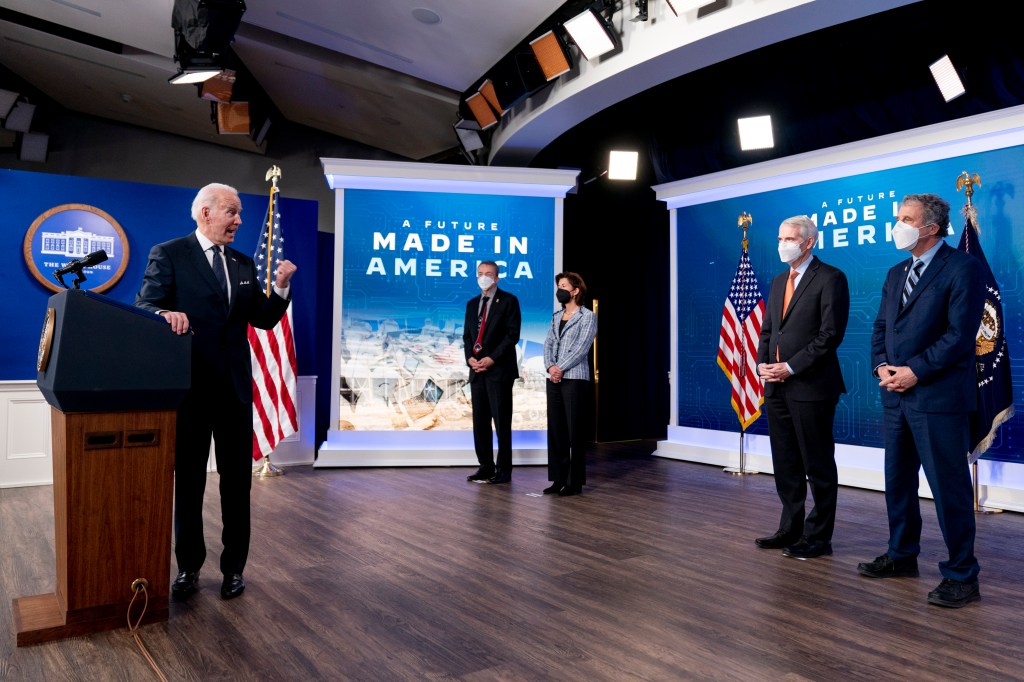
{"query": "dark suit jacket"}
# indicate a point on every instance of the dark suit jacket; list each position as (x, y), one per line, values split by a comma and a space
(808, 336)
(934, 333)
(179, 278)
(501, 334)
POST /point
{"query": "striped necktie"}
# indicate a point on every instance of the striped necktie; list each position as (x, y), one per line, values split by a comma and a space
(915, 274)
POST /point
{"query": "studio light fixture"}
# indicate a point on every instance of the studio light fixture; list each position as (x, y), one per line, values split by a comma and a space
(232, 118)
(20, 117)
(491, 96)
(203, 32)
(480, 111)
(194, 75)
(33, 147)
(947, 78)
(551, 55)
(641, 11)
(219, 88)
(622, 165)
(756, 133)
(7, 100)
(591, 33)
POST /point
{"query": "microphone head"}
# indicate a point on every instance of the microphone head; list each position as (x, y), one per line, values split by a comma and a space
(94, 258)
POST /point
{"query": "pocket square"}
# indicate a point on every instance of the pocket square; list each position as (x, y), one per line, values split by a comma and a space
(244, 282)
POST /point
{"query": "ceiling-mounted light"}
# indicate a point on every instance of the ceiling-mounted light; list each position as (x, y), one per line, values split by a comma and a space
(641, 11)
(551, 55)
(487, 90)
(20, 117)
(947, 78)
(7, 100)
(591, 33)
(194, 75)
(480, 111)
(756, 133)
(220, 88)
(622, 165)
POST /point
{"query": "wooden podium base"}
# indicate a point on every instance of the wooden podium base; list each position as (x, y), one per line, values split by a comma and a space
(39, 619)
(113, 478)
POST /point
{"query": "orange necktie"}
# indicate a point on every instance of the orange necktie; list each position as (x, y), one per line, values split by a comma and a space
(789, 292)
(786, 298)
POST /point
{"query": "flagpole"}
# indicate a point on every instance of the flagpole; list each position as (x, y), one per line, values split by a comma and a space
(743, 222)
(265, 469)
(965, 181)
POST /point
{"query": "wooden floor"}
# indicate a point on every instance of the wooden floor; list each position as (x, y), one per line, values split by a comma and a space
(651, 574)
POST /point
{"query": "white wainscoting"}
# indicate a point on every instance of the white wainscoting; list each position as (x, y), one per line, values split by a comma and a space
(1000, 484)
(25, 432)
(27, 457)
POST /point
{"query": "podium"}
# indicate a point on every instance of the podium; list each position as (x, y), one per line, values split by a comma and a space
(114, 376)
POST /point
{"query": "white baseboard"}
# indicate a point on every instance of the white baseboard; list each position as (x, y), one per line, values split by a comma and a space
(421, 448)
(1001, 484)
(27, 456)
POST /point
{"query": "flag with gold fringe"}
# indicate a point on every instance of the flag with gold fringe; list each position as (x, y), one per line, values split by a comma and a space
(995, 383)
(274, 394)
(738, 339)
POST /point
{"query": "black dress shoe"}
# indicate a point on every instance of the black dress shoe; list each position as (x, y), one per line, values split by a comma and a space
(778, 541)
(887, 567)
(553, 488)
(185, 585)
(232, 586)
(500, 477)
(481, 475)
(954, 594)
(570, 490)
(808, 549)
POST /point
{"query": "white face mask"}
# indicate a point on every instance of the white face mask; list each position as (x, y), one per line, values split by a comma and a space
(485, 282)
(789, 251)
(905, 236)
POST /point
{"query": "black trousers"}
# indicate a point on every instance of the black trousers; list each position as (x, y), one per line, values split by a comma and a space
(568, 404)
(492, 404)
(217, 412)
(804, 452)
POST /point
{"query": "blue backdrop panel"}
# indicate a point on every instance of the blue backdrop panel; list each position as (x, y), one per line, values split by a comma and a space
(854, 216)
(149, 214)
(409, 268)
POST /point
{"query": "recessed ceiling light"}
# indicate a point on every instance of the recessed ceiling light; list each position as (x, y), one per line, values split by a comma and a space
(426, 16)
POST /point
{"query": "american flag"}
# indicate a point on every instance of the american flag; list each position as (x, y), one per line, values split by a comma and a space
(274, 415)
(737, 343)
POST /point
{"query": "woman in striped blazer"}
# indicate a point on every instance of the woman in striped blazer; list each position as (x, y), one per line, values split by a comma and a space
(566, 351)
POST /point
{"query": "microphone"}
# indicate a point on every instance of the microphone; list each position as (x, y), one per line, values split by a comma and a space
(78, 264)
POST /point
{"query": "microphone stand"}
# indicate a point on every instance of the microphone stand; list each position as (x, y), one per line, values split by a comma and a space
(79, 278)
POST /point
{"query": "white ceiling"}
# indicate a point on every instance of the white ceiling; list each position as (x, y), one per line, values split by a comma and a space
(367, 71)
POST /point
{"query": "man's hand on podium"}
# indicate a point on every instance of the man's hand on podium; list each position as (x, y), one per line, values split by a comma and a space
(178, 321)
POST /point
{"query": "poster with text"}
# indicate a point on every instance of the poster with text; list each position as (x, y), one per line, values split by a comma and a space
(855, 216)
(409, 268)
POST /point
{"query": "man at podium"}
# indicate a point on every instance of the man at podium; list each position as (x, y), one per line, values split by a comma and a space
(203, 287)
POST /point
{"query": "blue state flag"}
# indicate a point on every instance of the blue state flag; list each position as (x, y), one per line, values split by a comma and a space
(995, 383)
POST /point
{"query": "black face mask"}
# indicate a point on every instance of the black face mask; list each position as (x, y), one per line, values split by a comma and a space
(563, 296)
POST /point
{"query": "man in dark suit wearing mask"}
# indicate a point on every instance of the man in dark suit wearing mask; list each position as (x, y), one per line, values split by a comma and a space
(490, 335)
(203, 287)
(923, 353)
(804, 323)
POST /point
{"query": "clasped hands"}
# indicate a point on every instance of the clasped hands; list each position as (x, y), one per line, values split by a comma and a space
(773, 372)
(481, 365)
(555, 373)
(896, 379)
